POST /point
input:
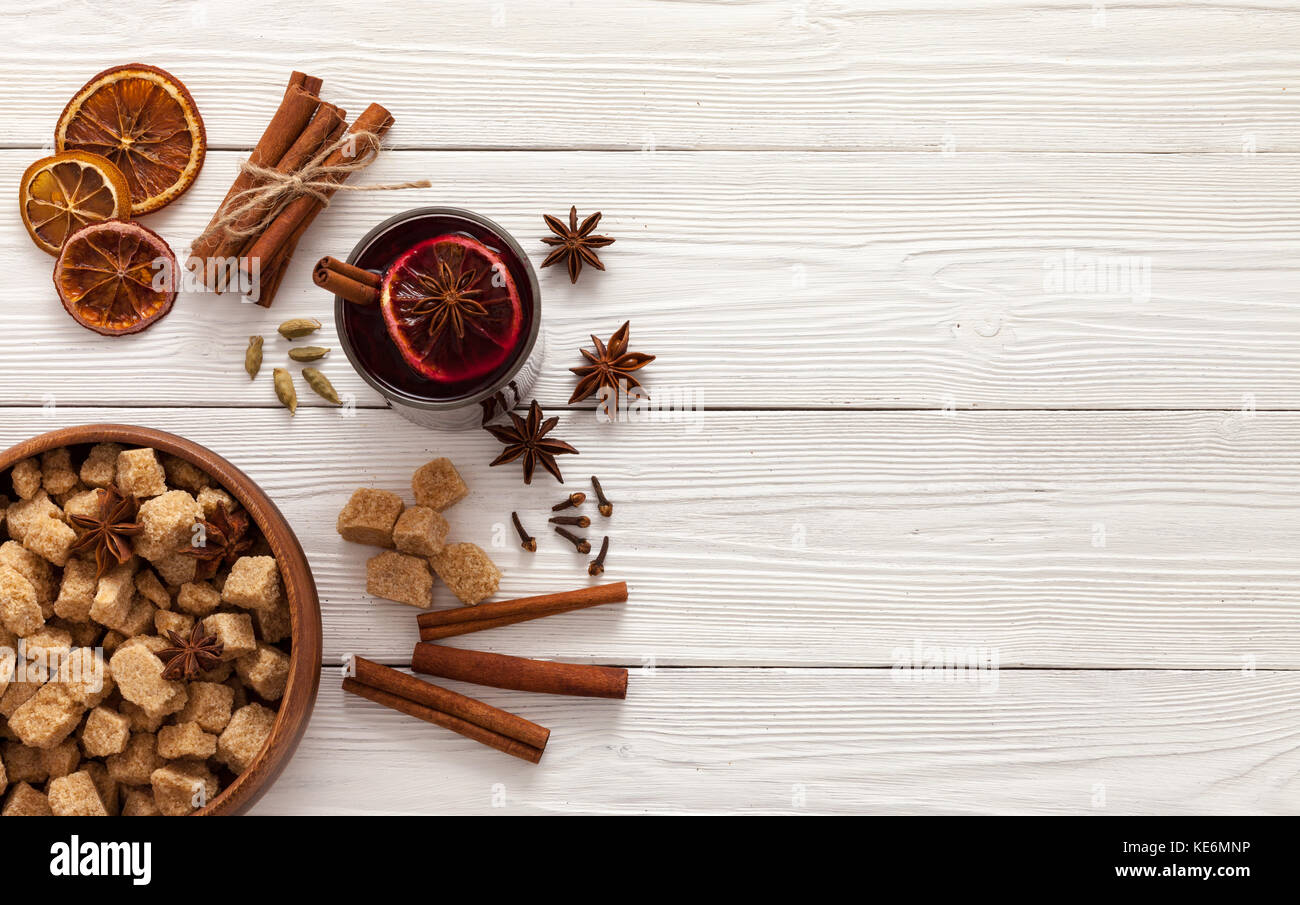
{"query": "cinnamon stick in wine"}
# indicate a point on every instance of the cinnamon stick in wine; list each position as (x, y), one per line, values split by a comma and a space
(445, 720)
(519, 673)
(460, 621)
(358, 286)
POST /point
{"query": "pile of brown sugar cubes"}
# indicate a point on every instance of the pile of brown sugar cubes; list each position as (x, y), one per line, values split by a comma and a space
(416, 540)
(91, 726)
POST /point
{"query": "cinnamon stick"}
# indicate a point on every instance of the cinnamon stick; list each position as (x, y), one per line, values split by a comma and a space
(294, 113)
(519, 673)
(290, 223)
(361, 287)
(445, 720)
(460, 621)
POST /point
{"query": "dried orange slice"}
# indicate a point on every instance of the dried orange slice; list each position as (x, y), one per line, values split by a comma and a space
(146, 123)
(116, 277)
(63, 193)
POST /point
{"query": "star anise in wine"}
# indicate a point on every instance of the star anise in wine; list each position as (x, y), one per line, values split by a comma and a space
(609, 366)
(447, 301)
(188, 657)
(107, 531)
(574, 244)
(225, 539)
(527, 439)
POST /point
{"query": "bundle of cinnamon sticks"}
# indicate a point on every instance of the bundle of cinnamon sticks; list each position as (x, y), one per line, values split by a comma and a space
(252, 237)
(474, 719)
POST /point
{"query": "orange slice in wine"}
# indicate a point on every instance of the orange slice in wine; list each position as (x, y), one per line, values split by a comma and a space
(452, 309)
(58, 195)
(116, 277)
(145, 122)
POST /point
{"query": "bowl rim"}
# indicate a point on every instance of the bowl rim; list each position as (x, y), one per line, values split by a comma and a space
(306, 639)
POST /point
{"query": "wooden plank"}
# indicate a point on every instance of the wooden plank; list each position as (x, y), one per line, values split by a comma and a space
(1059, 539)
(1057, 75)
(777, 741)
(928, 277)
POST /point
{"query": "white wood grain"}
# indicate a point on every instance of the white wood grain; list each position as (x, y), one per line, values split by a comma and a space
(902, 75)
(785, 280)
(778, 741)
(806, 540)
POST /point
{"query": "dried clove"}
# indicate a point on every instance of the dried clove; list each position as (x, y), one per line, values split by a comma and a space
(597, 565)
(574, 500)
(527, 542)
(579, 543)
(606, 507)
(580, 520)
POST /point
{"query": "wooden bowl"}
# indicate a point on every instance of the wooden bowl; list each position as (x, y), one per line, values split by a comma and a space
(304, 606)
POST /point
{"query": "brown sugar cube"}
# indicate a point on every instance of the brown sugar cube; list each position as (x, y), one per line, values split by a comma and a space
(369, 517)
(197, 598)
(275, 624)
(19, 610)
(166, 525)
(24, 801)
(151, 589)
(57, 474)
(85, 503)
(396, 576)
(236, 685)
(217, 674)
(138, 674)
(105, 732)
(183, 474)
(100, 467)
(176, 569)
(48, 644)
(23, 764)
(140, 474)
(26, 477)
(136, 762)
(253, 583)
(47, 717)
(468, 572)
(182, 787)
(141, 720)
(209, 706)
(51, 539)
(83, 634)
(234, 631)
(140, 803)
(62, 759)
(35, 569)
(106, 785)
(24, 685)
(25, 515)
(186, 740)
(75, 795)
(86, 676)
(242, 739)
(77, 592)
(420, 531)
(266, 671)
(165, 622)
(114, 595)
(438, 485)
(139, 619)
(210, 497)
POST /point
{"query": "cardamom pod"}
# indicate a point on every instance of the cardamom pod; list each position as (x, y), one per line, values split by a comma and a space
(308, 353)
(253, 357)
(298, 327)
(284, 390)
(321, 385)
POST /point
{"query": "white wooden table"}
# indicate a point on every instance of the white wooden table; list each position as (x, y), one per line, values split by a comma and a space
(838, 224)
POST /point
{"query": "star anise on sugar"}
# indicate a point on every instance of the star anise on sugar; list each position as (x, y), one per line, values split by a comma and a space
(188, 657)
(447, 301)
(527, 439)
(107, 531)
(574, 244)
(225, 538)
(609, 366)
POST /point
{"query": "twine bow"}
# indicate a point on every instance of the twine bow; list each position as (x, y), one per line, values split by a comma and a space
(275, 191)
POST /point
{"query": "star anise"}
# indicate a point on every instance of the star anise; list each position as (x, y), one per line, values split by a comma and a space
(609, 365)
(447, 301)
(107, 531)
(225, 539)
(188, 657)
(528, 439)
(574, 243)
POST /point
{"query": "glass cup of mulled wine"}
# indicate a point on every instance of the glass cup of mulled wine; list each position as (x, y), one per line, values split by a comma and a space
(453, 328)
